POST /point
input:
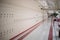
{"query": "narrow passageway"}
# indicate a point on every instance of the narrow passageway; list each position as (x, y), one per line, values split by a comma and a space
(29, 19)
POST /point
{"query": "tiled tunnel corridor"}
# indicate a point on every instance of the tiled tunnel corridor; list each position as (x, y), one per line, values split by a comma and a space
(29, 19)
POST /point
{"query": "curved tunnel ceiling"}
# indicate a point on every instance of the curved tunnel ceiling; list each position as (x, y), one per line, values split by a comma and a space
(50, 4)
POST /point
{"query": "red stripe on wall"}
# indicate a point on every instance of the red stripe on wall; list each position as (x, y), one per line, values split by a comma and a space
(50, 37)
(22, 37)
(34, 27)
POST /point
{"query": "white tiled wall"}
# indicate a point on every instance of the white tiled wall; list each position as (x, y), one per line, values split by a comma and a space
(17, 16)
